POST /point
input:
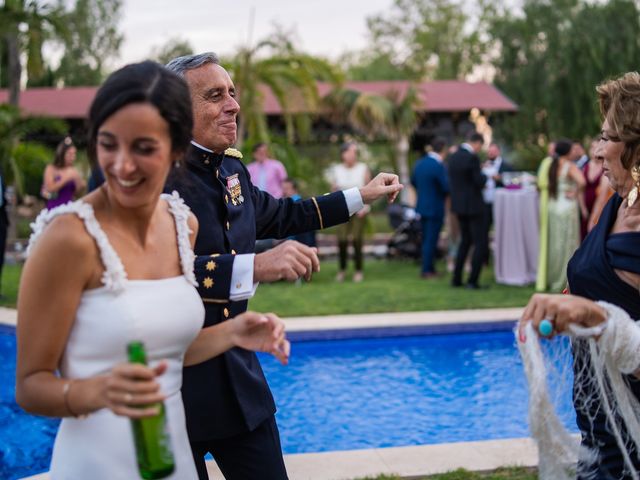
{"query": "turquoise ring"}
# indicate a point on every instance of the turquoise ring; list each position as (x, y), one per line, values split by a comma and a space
(545, 327)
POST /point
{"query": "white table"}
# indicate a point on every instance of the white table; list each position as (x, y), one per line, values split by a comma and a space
(516, 235)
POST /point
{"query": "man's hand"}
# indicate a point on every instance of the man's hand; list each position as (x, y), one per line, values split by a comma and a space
(383, 184)
(288, 261)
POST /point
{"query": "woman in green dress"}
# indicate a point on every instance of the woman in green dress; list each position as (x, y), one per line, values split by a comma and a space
(560, 218)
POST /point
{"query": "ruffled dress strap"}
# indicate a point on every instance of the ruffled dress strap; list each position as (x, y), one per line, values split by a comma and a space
(114, 277)
(181, 212)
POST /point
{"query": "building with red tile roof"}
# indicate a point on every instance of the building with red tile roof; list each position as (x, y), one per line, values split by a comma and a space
(437, 96)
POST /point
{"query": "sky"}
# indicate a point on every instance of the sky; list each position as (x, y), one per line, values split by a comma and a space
(322, 27)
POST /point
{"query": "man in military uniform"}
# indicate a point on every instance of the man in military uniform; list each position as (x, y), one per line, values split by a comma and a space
(228, 404)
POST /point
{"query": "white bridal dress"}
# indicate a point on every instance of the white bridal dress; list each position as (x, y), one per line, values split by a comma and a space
(165, 314)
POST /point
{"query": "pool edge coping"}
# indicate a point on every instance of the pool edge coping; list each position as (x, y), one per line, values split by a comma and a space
(406, 462)
(8, 316)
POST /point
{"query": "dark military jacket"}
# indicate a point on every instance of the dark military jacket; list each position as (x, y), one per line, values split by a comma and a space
(228, 394)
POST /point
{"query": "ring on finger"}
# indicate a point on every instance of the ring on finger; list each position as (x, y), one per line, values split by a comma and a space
(546, 327)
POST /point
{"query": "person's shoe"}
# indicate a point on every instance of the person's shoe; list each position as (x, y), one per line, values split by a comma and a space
(358, 277)
(428, 275)
(456, 284)
(340, 277)
(475, 286)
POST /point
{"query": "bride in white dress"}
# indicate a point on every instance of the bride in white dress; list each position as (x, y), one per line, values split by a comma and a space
(114, 267)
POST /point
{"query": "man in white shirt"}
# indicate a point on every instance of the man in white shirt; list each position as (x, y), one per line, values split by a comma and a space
(492, 168)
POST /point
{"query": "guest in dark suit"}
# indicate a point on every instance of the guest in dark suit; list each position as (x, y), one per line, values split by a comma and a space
(467, 182)
(229, 407)
(493, 169)
(432, 186)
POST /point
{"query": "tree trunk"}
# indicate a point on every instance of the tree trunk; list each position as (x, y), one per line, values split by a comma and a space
(15, 69)
(402, 159)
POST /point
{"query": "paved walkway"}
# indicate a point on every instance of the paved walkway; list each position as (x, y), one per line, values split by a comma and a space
(403, 461)
(8, 316)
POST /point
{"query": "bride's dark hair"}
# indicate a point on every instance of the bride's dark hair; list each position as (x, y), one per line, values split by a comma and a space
(145, 82)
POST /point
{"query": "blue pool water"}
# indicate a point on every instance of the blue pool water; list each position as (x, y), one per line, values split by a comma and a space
(353, 394)
(25, 440)
(348, 394)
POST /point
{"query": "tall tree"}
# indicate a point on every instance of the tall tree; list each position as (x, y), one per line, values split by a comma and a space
(174, 47)
(14, 127)
(550, 56)
(290, 75)
(93, 40)
(429, 39)
(371, 65)
(24, 24)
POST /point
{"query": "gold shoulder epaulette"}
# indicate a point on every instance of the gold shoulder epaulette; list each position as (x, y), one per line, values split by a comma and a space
(232, 152)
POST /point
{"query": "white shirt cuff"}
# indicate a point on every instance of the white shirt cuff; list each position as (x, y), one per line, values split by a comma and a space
(242, 286)
(354, 200)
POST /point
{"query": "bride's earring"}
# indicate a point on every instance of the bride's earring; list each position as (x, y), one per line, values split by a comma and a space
(633, 194)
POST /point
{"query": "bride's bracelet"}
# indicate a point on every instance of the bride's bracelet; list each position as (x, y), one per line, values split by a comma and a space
(65, 397)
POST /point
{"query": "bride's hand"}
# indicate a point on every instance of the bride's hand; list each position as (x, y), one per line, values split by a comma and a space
(261, 332)
(131, 390)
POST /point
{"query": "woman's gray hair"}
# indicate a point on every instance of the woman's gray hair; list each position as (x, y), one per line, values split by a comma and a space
(179, 65)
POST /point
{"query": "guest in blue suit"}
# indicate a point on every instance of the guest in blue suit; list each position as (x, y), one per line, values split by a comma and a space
(430, 181)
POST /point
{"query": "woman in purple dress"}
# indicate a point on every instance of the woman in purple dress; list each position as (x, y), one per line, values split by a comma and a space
(61, 178)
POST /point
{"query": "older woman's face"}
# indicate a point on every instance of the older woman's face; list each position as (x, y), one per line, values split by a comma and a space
(611, 153)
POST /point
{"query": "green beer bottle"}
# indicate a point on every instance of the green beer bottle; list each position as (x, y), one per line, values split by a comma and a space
(150, 434)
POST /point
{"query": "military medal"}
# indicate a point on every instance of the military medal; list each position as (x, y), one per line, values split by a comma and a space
(235, 190)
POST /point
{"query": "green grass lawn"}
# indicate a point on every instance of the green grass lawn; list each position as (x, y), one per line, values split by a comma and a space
(389, 286)
(515, 473)
(10, 284)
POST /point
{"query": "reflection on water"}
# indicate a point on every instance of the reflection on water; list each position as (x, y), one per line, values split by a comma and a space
(351, 394)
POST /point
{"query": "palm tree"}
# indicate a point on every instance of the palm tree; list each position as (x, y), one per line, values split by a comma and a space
(392, 115)
(290, 75)
(13, 127)
(35, 17)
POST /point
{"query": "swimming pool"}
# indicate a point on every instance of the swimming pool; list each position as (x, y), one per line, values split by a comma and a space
(25, 440)
(348, 394)
(397, 391)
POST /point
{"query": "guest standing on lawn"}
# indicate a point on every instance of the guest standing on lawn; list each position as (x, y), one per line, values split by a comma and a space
(350, 173)
(467, 181)
(432, 186)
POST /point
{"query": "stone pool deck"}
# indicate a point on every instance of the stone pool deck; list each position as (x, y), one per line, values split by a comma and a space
(407, 462)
